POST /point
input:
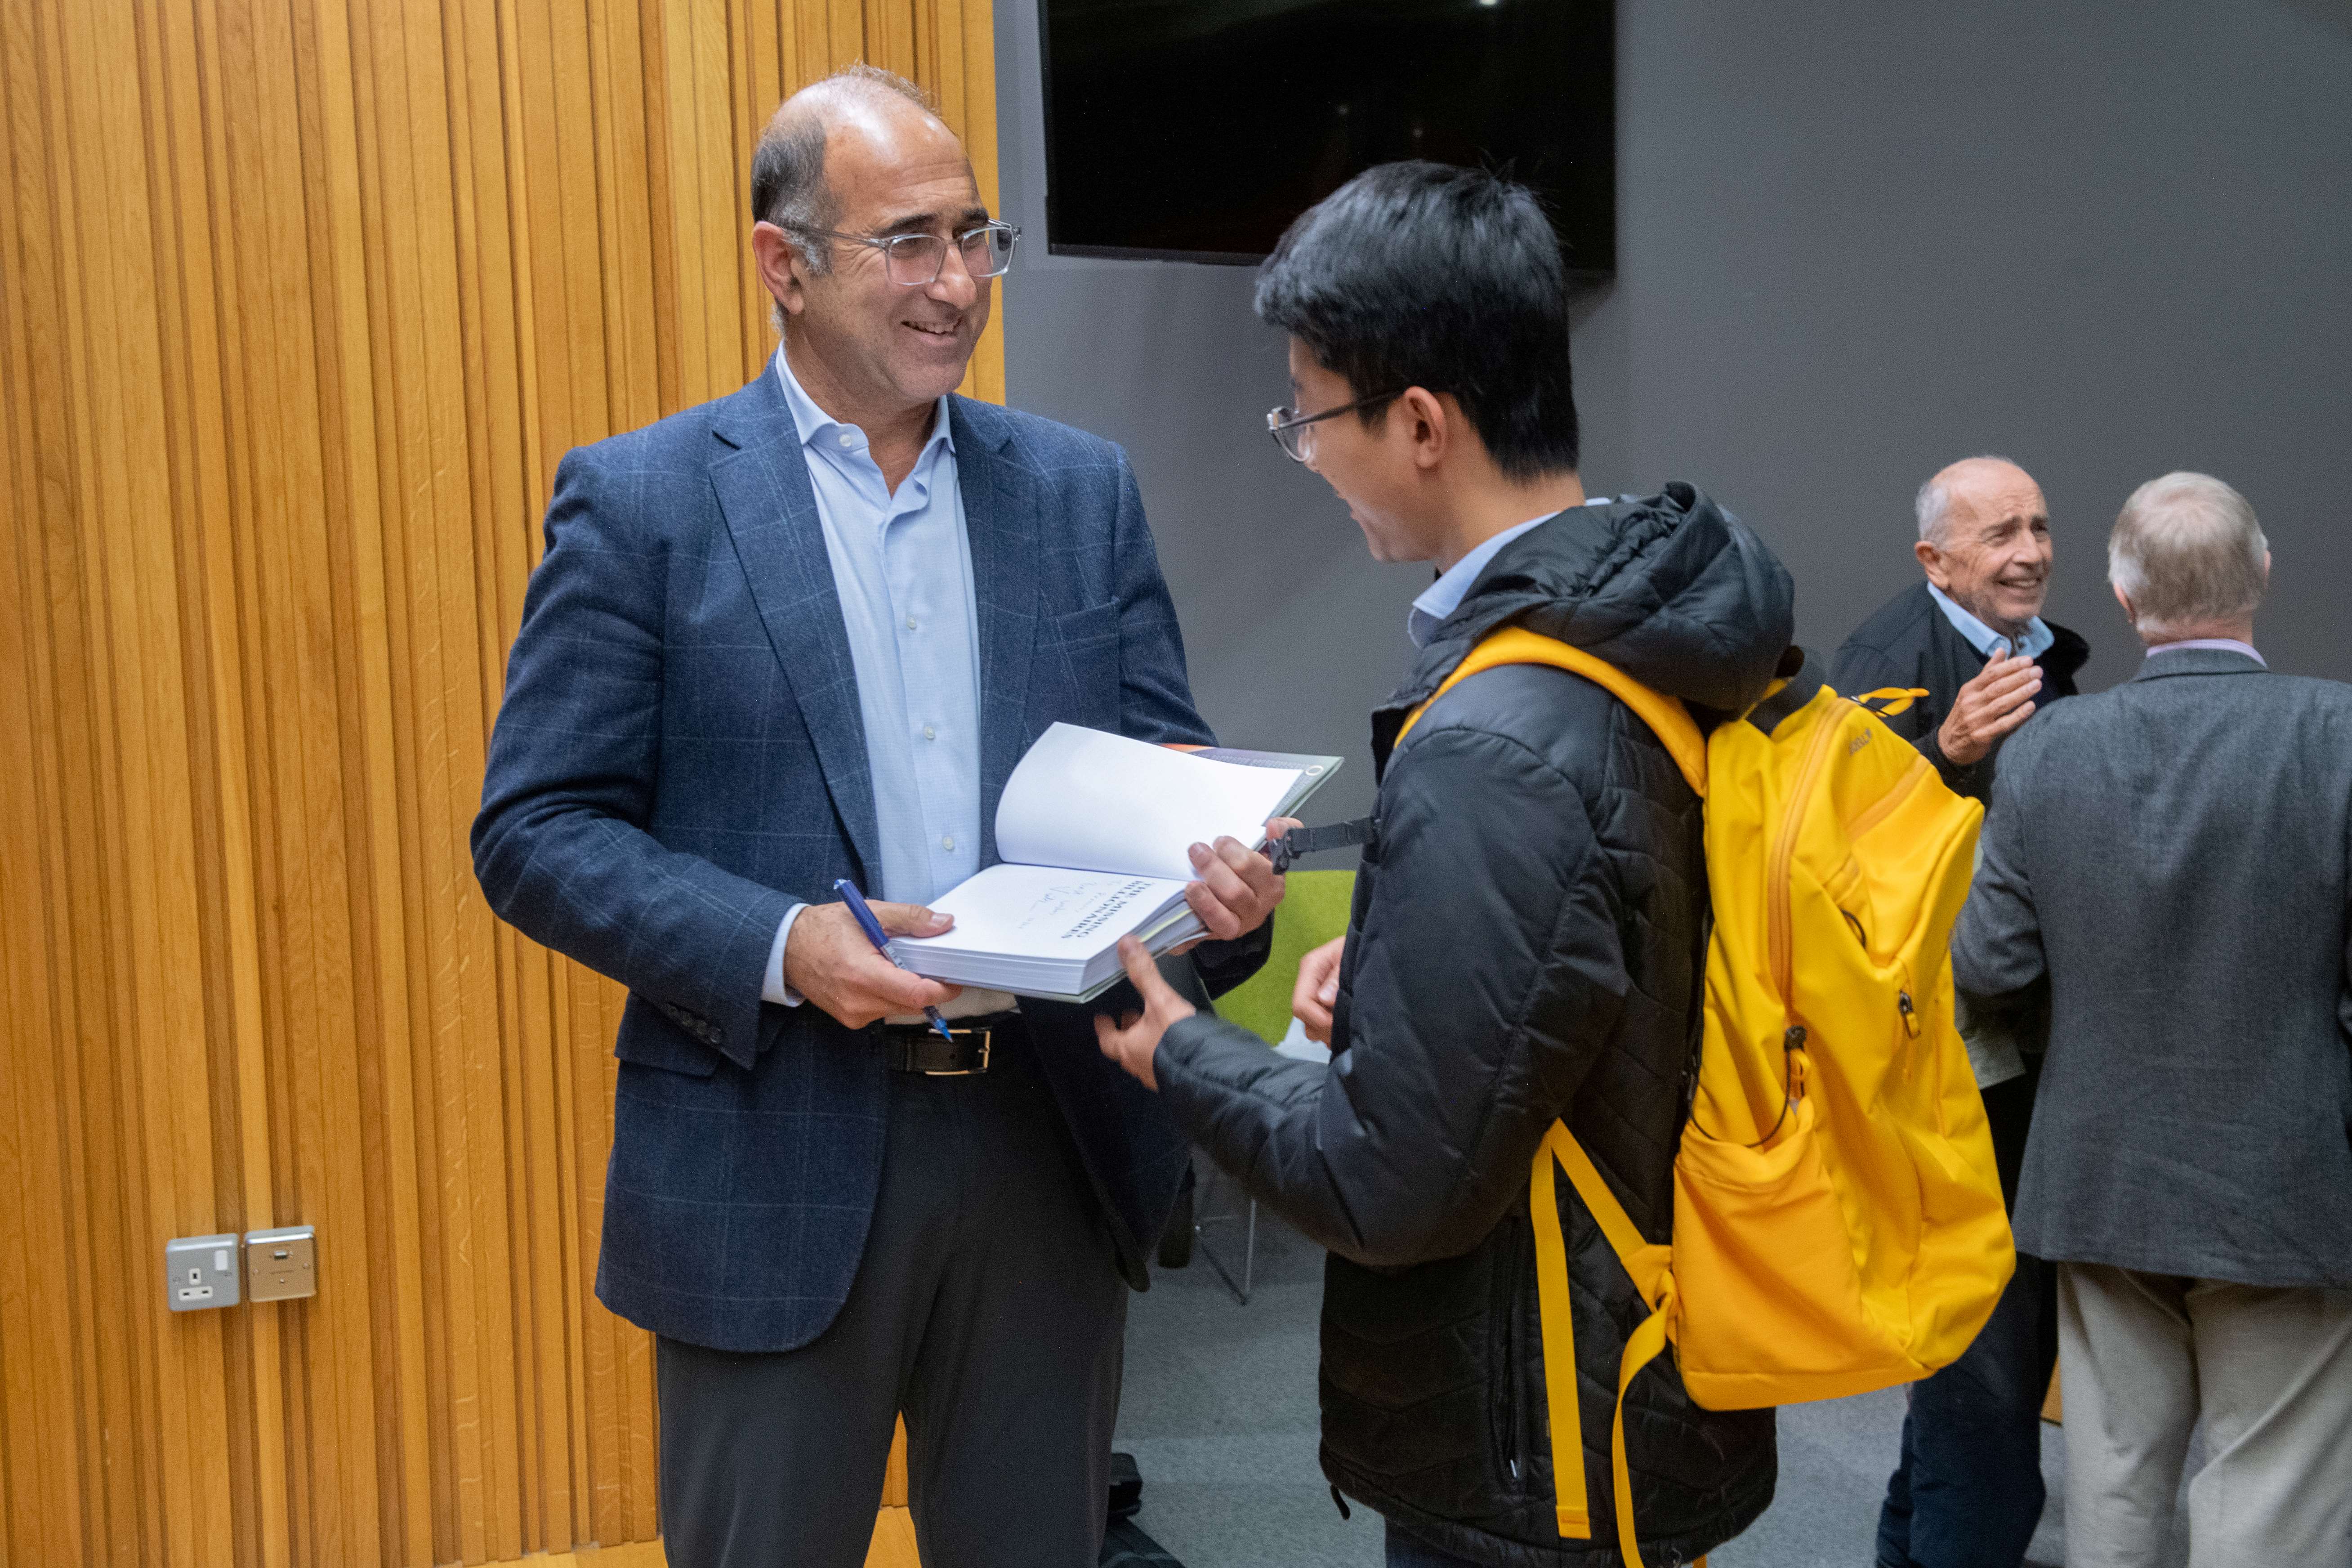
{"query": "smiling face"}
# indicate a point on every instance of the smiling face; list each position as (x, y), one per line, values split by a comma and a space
(1369, 469)
(867, 348)
(1992, 553)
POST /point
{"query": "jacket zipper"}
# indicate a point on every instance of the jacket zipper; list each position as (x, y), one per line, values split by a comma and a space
(1511, 1444)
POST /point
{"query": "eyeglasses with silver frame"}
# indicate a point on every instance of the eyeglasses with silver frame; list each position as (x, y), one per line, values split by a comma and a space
(916, 260)
(1295, 432)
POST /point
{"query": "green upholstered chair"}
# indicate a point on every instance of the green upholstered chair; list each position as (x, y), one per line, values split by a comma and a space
(1314, 909)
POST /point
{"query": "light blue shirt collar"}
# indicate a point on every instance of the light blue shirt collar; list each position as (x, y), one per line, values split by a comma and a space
(2038, 639)
(1442, 597)
(825, 433)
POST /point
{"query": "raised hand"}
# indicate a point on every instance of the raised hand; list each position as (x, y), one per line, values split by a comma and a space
(1995, 701)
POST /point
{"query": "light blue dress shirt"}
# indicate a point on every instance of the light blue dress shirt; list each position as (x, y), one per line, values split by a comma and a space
(2037, 640)
(902, 568)
(1442, 597)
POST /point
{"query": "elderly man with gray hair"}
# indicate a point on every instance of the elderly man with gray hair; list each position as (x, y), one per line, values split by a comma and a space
(1966, 1490)
(2172, 861)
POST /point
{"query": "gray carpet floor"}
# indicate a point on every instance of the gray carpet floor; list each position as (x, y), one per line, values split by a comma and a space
(1219, 1412)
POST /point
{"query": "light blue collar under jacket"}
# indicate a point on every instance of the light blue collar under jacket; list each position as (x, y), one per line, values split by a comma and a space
(1442, 597)
(2037, 640)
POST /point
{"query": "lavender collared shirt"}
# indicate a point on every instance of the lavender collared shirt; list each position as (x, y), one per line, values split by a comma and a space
(2226, 645)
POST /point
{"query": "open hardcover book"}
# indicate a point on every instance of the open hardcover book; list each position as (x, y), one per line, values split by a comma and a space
(1093, 829)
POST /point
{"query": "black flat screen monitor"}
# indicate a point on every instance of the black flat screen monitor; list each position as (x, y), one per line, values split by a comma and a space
(1196, 130)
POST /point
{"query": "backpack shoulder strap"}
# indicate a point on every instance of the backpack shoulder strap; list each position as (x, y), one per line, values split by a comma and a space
(1650, 1265)
(1665, 716)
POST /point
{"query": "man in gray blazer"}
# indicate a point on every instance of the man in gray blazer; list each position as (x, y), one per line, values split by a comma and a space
(799, 634)
(2172, 860)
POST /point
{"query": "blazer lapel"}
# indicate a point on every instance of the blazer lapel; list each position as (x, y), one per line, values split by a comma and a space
(761, 475)
(1000, 519)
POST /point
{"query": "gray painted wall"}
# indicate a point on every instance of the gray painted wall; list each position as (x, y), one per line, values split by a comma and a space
(1856, 240)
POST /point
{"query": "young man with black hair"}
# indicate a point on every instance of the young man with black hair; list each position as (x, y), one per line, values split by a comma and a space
(1528, 935)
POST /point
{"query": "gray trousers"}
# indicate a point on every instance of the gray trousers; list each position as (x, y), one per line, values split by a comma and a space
(2144, 1357)
(988, 1307)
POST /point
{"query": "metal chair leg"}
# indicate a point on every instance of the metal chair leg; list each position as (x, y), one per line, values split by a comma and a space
(1249, 1253)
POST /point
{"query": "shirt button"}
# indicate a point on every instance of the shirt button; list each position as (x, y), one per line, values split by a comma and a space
(910, 622)
(848, 439)
(930, 734)
(948, 842)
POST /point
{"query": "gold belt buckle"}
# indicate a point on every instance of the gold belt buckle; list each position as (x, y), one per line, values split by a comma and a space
(985, 1036)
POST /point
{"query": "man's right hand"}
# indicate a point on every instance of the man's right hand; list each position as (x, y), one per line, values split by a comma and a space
(1318, 990)
(1998, 700)
(828, 960)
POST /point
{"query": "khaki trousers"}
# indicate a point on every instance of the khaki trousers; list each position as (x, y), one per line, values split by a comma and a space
(2144, 1357)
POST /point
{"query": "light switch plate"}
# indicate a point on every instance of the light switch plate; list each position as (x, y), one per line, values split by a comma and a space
(282, 1265)
(200, 1272)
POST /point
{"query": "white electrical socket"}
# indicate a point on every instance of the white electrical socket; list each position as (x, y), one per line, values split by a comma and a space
(200, 1272)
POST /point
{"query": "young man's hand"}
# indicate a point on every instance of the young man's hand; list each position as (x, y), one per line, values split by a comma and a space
(1318, 990)
(1134, 1038)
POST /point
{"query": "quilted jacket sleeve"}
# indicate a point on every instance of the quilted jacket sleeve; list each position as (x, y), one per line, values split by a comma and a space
(1484, 974)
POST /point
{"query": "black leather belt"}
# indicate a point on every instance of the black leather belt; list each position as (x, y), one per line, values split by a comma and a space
(917, 1048)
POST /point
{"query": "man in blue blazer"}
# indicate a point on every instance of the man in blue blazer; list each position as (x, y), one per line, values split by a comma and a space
(804, 633)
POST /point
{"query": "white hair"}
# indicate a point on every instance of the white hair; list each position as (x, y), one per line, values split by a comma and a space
(1934, 504)
(2187, 551)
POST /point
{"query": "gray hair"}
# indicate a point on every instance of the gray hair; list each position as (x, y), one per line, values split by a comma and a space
(788, 186)
(2187, 553)
(1933, 503)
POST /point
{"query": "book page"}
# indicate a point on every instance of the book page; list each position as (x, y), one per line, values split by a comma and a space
(1041, 913)
(1099, 802)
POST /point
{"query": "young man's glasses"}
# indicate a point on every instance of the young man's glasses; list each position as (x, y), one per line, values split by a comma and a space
(1295, 432)
(916, 260)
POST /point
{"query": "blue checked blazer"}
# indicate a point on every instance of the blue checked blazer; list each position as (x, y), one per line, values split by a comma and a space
(681, 757)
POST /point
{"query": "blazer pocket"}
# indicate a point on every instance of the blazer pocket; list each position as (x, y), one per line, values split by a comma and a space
(1087, 688)
(650, 1039)
(1080, 628)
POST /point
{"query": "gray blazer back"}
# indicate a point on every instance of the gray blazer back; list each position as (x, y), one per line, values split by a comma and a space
(2173, 858)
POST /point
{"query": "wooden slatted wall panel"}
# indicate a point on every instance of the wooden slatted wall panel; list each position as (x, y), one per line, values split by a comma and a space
(300, 300)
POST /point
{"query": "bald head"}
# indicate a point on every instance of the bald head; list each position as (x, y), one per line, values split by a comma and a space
(887, 117)
(1971, 484)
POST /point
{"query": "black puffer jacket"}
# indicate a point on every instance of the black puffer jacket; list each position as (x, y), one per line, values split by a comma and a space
(1910, 642)
(1528, 942)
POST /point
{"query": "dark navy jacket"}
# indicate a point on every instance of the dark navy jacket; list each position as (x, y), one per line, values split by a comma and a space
(681, 757)
(1528, 942)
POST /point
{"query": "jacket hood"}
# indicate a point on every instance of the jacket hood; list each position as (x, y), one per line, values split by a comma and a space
(1671, 589)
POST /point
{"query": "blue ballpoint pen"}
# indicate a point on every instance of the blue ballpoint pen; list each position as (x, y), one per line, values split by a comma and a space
(881, 940)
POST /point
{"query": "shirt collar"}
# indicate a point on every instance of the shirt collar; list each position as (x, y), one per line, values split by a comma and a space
(817, 428)
(1442, 597)
(2038, 639)
(2223, 645)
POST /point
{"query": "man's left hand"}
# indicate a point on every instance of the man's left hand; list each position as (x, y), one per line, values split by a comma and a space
(1133, 1040)
(1238, 885)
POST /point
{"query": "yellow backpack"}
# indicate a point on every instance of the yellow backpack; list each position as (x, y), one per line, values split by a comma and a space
(1838, 1223)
